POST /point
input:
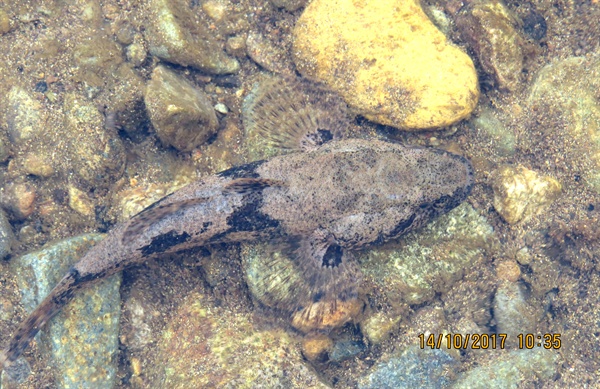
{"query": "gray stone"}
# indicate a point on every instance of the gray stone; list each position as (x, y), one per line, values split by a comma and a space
(510, 369)
(82, 340)
(7, 237)
(414, 368)
(24, 116)
(513, 313)
(182, 114)
(96, 151)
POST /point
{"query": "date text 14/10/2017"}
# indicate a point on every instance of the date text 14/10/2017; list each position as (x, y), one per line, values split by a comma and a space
(487, 341)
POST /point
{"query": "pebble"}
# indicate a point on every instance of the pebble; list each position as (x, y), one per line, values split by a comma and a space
(82, 340)
(387, 60)
(489, 28)
(37, 165)
(520, 193)
(4, 22)
(80, 202)
(7, 237)
(4, 151)
(24, 115)
(175, 35)
(508, 270)
(96, 151)
(316, 347)
(346, 349)
(182, 115)
(18, 199)
(514, 315)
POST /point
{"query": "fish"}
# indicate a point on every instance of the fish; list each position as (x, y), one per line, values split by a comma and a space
(342, 196)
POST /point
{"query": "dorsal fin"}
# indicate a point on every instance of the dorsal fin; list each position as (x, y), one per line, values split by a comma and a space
(151, 215)
(248, 185)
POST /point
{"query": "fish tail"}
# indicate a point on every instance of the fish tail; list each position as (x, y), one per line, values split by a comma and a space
(62, 293)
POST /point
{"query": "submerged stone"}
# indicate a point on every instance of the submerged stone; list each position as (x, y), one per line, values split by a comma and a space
(387, 60)
(182, 114)
(82, 340)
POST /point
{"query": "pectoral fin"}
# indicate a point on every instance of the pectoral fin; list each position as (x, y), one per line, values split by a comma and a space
(329, 270)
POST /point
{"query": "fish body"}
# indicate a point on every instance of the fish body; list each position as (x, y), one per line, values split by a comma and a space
(342, 196)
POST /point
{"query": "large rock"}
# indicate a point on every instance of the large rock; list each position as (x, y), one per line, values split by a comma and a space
(387, 60)
(82, 340)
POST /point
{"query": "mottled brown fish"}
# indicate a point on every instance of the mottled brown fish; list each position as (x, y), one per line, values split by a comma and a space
(341, 196)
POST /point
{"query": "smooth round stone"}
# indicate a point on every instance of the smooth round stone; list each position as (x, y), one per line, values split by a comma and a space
(387, 60)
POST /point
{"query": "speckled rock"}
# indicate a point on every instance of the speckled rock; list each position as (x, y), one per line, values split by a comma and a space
(511, 369)
(275, 280)
(175, 34)
(204, 345)
(520, 193)
(24, 115)
(387, 60)
(513, 313)
(378, 326)
(182, 114)
(569, 115)
(82, 340)
(414, 368)
(490, 29)
(96, 151)
(80, 202)
(18, 199)
(7, 237)
(38, 165)
(431, 259)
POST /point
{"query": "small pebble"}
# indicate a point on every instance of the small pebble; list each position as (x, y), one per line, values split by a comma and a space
(316, 347)
(508, 270)
(221, 108)
(18, 199)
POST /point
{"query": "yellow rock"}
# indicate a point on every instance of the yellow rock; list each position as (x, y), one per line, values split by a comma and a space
(520, 193)
(387, 60)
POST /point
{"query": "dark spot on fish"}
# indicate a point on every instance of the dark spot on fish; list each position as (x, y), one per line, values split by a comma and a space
(249, 216)
(325, 135)
(162, 243)
(333, 256)
(318, 296)
(79, 279)
(401, 227)
(243, 171)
